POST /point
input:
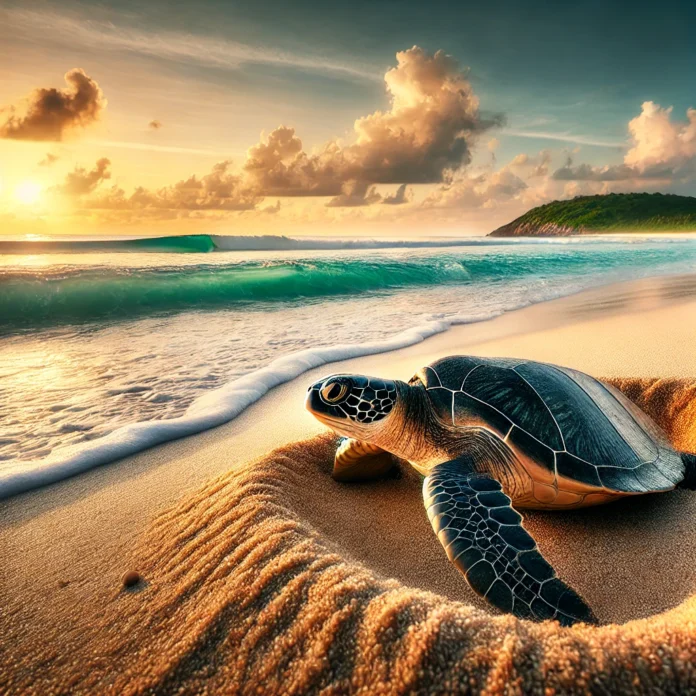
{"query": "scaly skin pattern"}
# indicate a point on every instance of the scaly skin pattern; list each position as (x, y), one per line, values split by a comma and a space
(484, 538)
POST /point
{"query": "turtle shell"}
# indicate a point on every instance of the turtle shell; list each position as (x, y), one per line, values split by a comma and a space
(565, 420)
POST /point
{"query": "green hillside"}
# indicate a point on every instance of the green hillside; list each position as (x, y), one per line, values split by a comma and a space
(615, 212)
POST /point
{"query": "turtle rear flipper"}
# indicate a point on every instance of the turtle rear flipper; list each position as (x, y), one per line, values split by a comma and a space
(483, 536)
(360, 461)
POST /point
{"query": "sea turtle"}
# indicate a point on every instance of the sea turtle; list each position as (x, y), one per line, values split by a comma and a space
(492, 433)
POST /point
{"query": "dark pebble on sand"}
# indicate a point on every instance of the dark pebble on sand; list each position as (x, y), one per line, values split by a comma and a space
(131, 578)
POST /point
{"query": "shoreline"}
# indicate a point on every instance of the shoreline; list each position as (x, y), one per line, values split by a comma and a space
(626, 297)
(226, 403)
(67, 545)
(557, 231)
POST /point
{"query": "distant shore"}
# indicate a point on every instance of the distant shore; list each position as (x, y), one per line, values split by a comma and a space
(528, 230)
(549, 230)
(614, 213)
(67, 546)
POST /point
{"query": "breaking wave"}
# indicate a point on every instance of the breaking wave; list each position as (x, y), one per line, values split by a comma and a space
(69, 294)
(204, 243)
(73, 294)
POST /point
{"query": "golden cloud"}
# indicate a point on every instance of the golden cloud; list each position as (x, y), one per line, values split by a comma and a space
(81, 182)
(218, 190)
(427, 131)
(51, 112)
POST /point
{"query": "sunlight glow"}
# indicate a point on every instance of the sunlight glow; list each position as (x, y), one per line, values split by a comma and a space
(28, 192)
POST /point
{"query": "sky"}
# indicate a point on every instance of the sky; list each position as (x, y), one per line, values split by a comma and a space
(362, 118)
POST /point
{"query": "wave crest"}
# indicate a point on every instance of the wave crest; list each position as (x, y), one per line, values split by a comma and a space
(73, 295)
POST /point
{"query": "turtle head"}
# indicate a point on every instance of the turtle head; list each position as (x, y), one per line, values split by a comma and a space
(354, 405)
(392, 415)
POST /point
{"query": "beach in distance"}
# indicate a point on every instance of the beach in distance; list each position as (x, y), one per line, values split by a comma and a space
(260, 566)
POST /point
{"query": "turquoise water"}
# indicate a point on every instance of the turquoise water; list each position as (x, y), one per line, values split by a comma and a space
(93, 342)
(185, 244)
(77, 292)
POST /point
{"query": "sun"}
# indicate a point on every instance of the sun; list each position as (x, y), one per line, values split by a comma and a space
(28, 192)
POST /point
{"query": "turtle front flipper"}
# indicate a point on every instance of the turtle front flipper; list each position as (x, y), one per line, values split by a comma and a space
(484, 537)
(360, 461)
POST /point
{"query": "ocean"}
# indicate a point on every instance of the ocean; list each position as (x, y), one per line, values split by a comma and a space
(107, 348)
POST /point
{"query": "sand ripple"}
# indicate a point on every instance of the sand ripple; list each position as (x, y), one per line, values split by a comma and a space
(274, 579)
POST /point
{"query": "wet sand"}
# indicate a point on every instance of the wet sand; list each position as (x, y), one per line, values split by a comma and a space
(270, 575)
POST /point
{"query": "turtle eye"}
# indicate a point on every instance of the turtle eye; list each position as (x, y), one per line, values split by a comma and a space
(334, 392)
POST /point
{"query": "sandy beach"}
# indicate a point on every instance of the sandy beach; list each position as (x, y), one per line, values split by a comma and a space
(261, 572)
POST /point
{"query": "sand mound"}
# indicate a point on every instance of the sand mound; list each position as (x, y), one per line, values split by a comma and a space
(275, 579)
(671, 403)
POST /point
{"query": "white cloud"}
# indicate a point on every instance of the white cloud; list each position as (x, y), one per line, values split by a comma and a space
(660, 144)
(486, 190)
(532, 166)
(661, 149)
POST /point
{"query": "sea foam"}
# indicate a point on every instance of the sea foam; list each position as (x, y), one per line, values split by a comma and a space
(208, 411)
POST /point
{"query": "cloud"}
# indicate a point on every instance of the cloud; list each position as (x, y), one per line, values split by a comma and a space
(660, 149)
(659, 144)
(572, 189)
(48, 160)
(585, 172)
(564, 137)
(483, 191)
(52, 112)
(272, 209)
(532, 166)
(155, 124)
(355, 194)
(219, 190)
(278, 165)
(80, 182)
(402, 195)
(427, 131)
(424, 136)
(520, 160)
